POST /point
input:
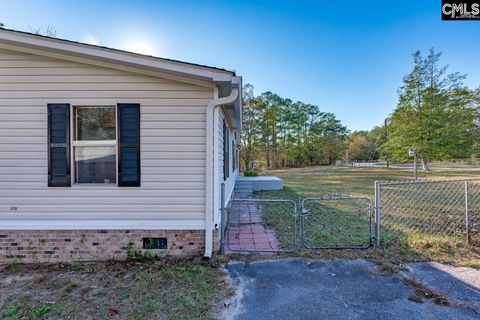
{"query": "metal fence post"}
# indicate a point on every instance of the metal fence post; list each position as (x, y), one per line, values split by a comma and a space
(467, 214)
(377, 213)
(222, 219)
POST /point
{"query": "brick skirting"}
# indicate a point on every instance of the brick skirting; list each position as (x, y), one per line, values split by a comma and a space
(30, 246)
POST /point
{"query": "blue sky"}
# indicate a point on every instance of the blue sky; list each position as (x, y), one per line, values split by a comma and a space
(347, 57)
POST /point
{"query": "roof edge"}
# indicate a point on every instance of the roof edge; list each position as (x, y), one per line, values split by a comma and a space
(71, 50)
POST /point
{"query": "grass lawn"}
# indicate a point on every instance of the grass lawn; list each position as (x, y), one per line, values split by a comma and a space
(313, 181)
(161, 289)
(335, 222)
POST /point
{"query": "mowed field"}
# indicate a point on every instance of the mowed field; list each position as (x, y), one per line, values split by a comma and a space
(314, 181)
(346, 223)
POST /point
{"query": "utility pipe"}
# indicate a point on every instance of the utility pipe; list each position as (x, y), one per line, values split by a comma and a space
(209, 164)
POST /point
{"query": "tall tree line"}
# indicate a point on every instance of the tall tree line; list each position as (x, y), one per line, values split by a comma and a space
(281, 133)
(436, 114)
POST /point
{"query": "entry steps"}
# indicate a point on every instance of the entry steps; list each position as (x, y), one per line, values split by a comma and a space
(242, 186)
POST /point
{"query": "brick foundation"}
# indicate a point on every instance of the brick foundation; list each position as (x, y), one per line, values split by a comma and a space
(30, 246)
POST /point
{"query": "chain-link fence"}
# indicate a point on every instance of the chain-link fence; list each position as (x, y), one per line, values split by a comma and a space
(442, 207)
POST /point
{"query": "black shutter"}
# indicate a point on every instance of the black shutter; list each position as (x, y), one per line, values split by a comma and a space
(128, 123)
(59, 145)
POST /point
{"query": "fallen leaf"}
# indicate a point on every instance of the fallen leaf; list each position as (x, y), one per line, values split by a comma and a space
(112, 311)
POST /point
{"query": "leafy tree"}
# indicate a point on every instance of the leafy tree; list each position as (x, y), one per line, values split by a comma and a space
(475, 135)
(270, 125)
(430, 113)
(376, 139)
(1, 24)
(359, 147)
(329, 139)
(250, 138)
(282, 133)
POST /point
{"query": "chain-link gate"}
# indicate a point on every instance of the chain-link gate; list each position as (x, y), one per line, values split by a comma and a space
(260, 225)
(277, 225)
(336, 222)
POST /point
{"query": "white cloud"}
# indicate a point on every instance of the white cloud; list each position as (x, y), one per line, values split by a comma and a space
(90, 39)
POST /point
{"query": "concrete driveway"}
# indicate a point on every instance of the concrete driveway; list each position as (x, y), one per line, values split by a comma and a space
(351, 289)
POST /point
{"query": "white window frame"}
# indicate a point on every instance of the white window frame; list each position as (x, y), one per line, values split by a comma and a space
(91, 143)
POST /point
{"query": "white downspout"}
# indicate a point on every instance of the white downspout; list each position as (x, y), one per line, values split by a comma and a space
(209, 164)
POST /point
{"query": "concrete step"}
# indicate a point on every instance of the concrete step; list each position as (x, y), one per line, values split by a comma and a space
(239, 182)
(243, 189)
(242, 183)
(243, 192)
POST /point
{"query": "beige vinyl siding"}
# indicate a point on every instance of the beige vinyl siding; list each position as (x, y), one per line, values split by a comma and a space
(220, 137)
(230, 182)
(172, 142)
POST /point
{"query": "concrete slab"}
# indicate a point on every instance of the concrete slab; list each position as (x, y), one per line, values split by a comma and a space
(262, 183)
(317, 289)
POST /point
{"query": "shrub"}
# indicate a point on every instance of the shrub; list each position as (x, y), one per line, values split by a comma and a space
(250, 173)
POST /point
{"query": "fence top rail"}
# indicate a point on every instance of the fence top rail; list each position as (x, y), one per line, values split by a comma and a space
(402, 182)
(336, 197)
(263, 200)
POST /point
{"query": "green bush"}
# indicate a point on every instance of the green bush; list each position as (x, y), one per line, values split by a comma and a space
(250, 173)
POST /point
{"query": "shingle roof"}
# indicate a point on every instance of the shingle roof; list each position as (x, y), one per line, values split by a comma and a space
(118, 50)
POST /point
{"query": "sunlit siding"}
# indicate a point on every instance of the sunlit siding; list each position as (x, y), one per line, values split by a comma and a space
(230, 182)
(172, 142)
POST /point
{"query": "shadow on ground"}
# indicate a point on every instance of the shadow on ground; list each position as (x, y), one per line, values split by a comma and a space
(298, 288)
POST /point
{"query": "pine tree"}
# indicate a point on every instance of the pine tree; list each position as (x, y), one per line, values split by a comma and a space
(430, 115)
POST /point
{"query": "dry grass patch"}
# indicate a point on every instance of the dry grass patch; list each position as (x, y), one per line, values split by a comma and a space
(160, 289)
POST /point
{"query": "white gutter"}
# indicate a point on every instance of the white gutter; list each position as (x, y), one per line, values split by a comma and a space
(209, 164)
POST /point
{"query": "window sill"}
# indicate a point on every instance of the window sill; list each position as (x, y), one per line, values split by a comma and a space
(95, 185)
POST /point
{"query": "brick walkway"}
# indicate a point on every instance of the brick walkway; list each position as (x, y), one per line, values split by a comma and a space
(245, 231)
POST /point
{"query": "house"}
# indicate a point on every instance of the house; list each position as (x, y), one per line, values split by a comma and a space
(104, 151)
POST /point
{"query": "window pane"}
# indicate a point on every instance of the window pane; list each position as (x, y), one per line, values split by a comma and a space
(95, 164)
(95, 123)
